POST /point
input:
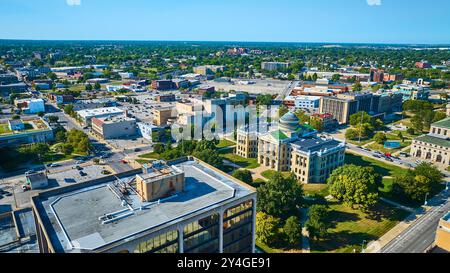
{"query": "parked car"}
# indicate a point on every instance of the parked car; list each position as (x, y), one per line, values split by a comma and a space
(82, 173)
(79, 168)
(30, 172)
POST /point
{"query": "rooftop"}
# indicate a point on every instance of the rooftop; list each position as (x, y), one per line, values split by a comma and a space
(445, 123)
(434, 140)
(446, 217)
(316, 144)
(100, 111)
(78, 218)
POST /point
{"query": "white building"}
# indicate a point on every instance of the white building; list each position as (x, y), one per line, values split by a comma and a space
(31, 106)
(274, 66)
(146, 130)
(88, 114)
(303, 102)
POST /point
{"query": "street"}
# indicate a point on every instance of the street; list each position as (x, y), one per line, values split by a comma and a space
(421, 234)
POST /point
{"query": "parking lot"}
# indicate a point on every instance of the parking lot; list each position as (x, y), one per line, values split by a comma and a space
(273, 87)
(129, 144)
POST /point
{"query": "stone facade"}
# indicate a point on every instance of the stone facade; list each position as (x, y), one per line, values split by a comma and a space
(292, 148)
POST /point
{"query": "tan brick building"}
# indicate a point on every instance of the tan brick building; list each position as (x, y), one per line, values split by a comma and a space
(443, 234)
(434, 147)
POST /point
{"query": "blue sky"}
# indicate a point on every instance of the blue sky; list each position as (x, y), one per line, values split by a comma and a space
(359, 21)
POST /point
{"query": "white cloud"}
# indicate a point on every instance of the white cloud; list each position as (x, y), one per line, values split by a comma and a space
(73, 2)
(374, 2)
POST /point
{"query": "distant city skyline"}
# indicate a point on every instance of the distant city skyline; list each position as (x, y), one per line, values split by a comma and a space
(320, 21)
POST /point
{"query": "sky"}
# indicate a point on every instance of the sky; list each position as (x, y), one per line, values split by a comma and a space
(327, 21)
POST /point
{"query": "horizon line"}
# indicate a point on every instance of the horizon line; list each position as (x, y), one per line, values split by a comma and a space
(224, 41)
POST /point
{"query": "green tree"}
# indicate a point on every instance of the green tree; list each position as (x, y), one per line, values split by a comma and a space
(415, 184)
(53, 119)
(97, 86)
(68, 109)
(357, 87)
(318, 221)
(355, 185)
(88, 87)
(280, 196)
(267, 228)
(380, 138)
(243, 175)
(351, 134)
(293, 231)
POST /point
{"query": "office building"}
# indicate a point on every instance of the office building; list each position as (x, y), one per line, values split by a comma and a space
(166, 98)
(163, 85)
(163, 115)
(310, 103)
(206, 70)
(340, 109)
(114, 127)
(442, 241)
(274, 66)
(377, 75)
(208, 212)
(435, 146)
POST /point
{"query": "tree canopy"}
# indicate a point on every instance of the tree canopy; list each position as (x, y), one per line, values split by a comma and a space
(280, 196)
(355, 185)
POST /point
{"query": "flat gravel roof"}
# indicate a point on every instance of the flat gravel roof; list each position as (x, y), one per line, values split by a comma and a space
(72, 218)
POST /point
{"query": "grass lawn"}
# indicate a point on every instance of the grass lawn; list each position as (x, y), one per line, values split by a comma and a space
(151, 156)
(352, 227)
(77, 87)
(316, 189)
(381, 168)
(4, 129)
(246, 163)
(57, 157)
(381, 148)
(142, 161)
(270, 173)
(225, 143)
(364, 141)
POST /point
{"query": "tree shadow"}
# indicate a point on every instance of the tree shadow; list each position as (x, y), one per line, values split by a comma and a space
(342, 241)
(337, 217)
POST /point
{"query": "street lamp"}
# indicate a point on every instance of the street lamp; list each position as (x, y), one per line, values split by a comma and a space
(426, 201)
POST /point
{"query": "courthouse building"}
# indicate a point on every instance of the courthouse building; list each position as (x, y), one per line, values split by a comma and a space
(292, 147)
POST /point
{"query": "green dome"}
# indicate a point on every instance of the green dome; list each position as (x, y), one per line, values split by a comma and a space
(289, 122)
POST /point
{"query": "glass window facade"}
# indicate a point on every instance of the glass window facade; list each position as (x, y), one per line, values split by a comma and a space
(202, 236)
(237, 229)
(164, 243)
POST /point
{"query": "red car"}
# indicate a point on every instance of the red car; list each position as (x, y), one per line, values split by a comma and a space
(123, 161)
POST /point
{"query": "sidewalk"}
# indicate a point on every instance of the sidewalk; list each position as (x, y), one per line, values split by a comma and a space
(416, 215)
(305, 233)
